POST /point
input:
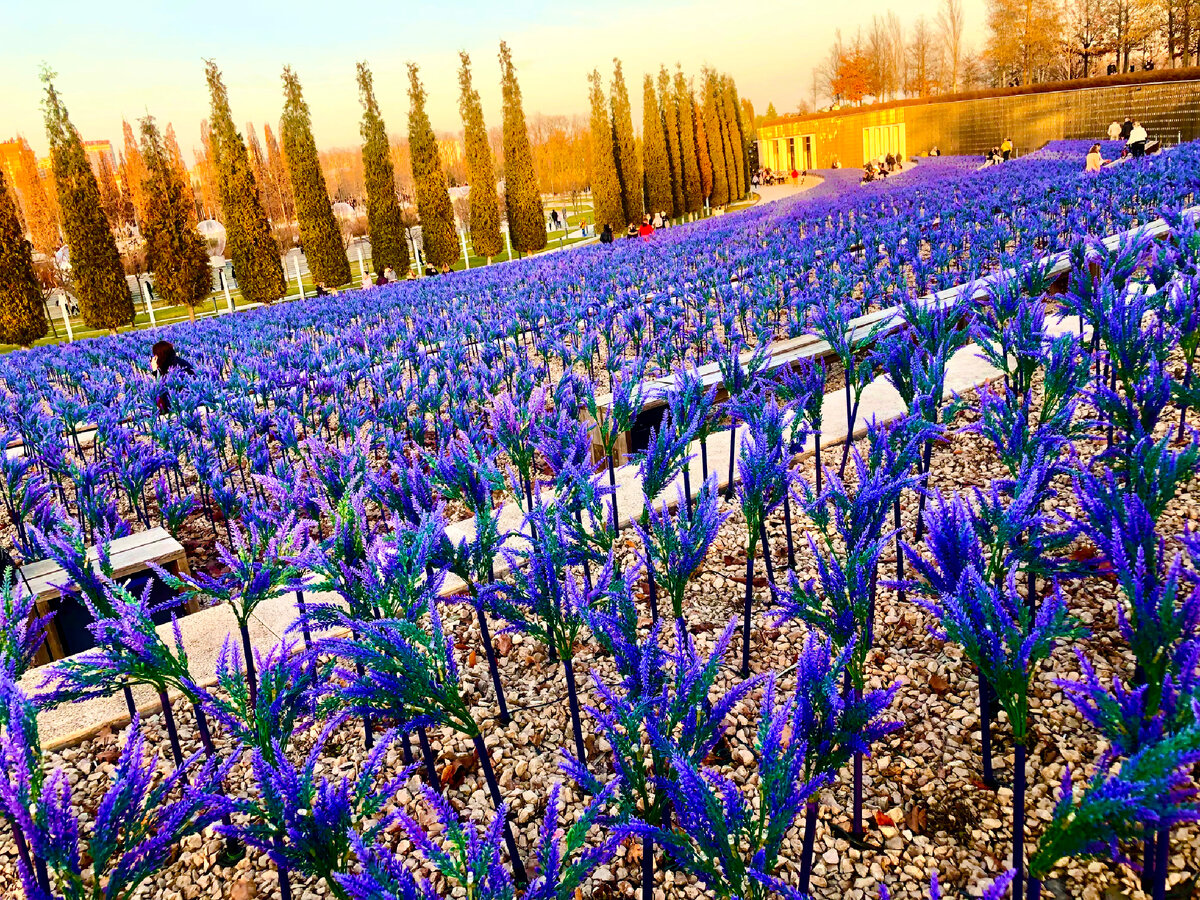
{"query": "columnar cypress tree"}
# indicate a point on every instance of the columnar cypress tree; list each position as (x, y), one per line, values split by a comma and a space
(703, 157)
(135, 172)
(654, 151)
(22, 313)
(606, 186)
(438, 236)
(693, 185)
(716, 146)
(319, 231)
(629, 164)
(735, 159)
(741, 142)
(522, 197)
(248, 237)
(175, 251)
(670, 122)
(481, 169)
(97, 275)
(384, 220)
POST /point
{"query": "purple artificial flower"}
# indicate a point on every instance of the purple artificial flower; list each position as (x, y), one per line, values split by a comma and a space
(676, 544)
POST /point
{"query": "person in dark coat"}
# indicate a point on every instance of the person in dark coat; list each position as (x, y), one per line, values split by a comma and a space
(606, 236)
(1126, 128)
(164, 359)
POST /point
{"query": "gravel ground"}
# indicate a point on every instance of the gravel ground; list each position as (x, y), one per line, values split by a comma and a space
(923, 799)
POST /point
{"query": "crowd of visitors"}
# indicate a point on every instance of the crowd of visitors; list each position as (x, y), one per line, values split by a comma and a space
(888, 164)
(766, 176)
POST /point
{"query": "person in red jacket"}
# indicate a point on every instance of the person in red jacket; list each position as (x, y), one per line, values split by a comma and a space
(646, 228)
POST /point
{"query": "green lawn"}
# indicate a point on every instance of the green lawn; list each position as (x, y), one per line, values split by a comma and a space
(215, 304)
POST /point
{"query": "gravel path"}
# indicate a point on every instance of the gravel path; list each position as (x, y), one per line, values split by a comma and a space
(927, 807)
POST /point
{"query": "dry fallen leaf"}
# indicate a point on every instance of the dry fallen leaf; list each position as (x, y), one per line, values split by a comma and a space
(633, 853)
(504, 644)
(939, 684)
(915, 819)
(455, 771)
(243, 889)
(883, 819)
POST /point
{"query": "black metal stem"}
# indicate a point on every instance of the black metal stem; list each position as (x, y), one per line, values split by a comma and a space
(745, 671)
(510, 841)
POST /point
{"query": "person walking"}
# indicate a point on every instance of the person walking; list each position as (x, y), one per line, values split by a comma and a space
(1137, 140)
(657, 223)
(164, 359)
(1126, 127)
(1114, 131)
(1006, 149)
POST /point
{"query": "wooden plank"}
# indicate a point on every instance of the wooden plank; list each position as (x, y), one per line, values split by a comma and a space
(127, 555)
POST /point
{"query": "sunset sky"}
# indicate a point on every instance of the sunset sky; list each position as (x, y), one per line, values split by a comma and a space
(128, 58)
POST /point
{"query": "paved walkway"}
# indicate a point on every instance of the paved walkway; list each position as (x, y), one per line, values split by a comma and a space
(772, 192)
(204, 632)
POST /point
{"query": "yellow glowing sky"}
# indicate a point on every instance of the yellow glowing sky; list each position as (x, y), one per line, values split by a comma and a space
(124, 59)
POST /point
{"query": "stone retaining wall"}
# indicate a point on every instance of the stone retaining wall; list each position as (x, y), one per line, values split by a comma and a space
(1168, 108)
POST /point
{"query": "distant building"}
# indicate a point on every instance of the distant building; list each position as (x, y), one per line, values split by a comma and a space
(1167, 102)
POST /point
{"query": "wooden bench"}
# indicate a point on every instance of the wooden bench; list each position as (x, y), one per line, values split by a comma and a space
(128, 555)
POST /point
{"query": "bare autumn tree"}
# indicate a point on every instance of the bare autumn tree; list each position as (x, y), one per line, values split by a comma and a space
(950, 23)
(1023, 39)
(884, 75)
(110, 194)
(272, 200)
(922, 71)
(206, 169)
(37, 201)
(279, 174)
(852, 80)
(1086, 33)
(135, 171)
(181, 169)
(560, 147)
